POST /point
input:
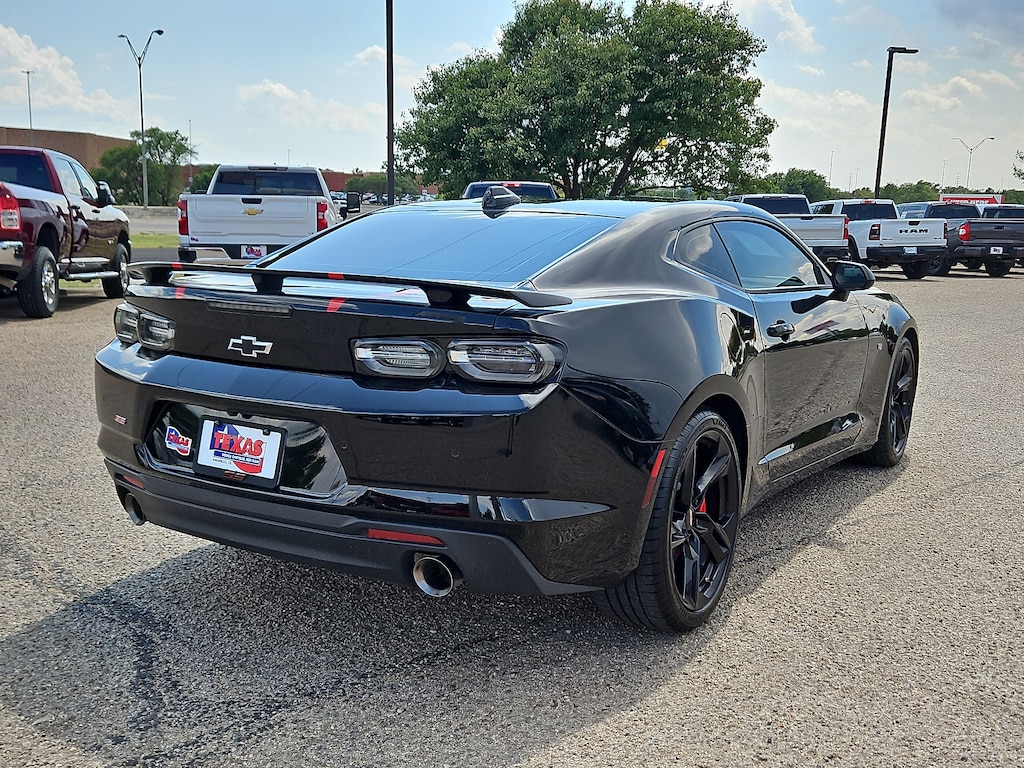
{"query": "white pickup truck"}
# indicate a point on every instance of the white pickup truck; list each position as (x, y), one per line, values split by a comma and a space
(879, 237)
(249, 211)
(824, 234)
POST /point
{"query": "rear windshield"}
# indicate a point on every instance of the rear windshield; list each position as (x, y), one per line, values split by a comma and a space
(865, 211)
(268, 182)
(26, 170)
(529, 191)
(779, 204)
(447, 245)
(953, 212)
(1003, 213)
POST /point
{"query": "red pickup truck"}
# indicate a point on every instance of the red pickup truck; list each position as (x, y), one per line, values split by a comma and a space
(56, 223)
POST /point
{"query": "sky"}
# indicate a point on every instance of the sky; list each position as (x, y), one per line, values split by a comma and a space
(305, 82)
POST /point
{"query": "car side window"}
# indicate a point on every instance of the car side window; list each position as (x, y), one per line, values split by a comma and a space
(766, 258)
(702, 249)
(89, 189)
(68, 179)
(823, 208)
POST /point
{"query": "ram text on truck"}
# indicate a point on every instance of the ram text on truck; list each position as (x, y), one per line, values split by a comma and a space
(251, 210)
(57, 223)
(825, 234)
(879, 237)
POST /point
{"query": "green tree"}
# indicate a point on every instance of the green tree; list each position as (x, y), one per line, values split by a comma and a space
(201, 178)
(1018, 170)
(121, 167)
(378, 182)
(596, 101)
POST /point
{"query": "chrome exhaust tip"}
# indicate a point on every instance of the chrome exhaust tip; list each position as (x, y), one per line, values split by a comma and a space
(435, 575)
(134, 510)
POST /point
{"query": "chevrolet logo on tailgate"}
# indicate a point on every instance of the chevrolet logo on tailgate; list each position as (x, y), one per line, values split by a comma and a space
(250, 346)
(252, 211)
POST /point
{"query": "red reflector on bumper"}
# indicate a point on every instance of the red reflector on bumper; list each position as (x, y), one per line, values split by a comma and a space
(408, 538)
(653, 482)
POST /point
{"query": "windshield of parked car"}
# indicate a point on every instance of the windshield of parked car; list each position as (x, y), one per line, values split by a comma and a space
(1003, 213)
(780, 204)
(865, 211)
(429, 244)
(953, 212)
(529, 192)
(270, 182)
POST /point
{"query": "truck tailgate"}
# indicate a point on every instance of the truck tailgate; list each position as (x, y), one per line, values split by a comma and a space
(230, 218)
(907, 232)
(821, 229)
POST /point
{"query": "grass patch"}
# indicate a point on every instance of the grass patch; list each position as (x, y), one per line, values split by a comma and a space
(152, 240)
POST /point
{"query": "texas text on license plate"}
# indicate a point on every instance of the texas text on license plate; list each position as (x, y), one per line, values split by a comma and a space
(254, 251)
(239, 451)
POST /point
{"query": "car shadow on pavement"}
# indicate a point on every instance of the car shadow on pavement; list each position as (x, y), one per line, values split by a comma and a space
(219, 656)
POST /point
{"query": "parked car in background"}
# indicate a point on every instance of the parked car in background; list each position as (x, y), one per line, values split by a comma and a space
(534, 399)
(824, 233)
(252, 210)
(57, 223)
(879, 237)
(912, 210)
(528, 191)
(954, 214)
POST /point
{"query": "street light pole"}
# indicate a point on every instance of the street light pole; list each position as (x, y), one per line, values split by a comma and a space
(390, 24)
(28, 83)
(139, 58)
(893, 50)
(970, 155)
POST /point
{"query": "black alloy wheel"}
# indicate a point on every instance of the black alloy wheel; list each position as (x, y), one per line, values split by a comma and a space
(691, 537)
(115, 287)
(917, 269)
(939, 266)
(894, 430)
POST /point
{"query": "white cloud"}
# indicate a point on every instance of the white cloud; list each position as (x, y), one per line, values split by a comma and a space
(788, 28)
(811, 70)
(992, 76)
(302, 108)
(55, 82)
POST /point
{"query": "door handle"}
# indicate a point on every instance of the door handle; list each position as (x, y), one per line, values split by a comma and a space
(780, 328)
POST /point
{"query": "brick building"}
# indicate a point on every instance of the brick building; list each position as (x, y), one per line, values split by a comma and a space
(86, 148)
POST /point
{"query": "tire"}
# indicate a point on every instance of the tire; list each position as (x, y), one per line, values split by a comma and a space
(39, 290)
(688, 549)
(115, 287)
(998, 268)
(894, 428)
(973, 263)
(939, 266)
(917, 269)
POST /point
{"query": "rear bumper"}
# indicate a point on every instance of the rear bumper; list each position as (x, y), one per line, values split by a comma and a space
(230, 250)
(12, 256)
(897, 254)
(530, 495)
(984, 252)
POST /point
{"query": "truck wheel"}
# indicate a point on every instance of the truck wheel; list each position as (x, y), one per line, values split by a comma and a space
(39, 290)
(917, 270)
(114, 287)
(939, 266)
(973, 264)
(998, 268)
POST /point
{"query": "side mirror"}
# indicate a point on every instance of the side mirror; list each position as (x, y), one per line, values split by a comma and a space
(850, 276)
(353, 202)
(104, 196)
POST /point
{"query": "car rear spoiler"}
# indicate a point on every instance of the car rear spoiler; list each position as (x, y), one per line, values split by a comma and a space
(440, 293)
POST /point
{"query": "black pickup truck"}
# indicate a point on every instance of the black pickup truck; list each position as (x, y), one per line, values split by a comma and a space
(995, 240)
(56, 223)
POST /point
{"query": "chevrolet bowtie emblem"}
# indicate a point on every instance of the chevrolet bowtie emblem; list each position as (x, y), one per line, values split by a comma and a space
(252, 211)
(250, 346)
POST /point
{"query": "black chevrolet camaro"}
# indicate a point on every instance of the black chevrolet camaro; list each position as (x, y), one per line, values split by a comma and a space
(529, 399)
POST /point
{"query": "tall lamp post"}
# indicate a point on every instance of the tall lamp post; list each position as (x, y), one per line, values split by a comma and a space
(139, 58)
(970, 155)
(28, 83)
(893, 50)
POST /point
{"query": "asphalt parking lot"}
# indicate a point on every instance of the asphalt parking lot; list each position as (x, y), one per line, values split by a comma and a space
(873, 618)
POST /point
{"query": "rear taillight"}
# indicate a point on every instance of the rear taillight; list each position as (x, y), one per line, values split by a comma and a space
(875, 233)
(183, 217)
(321, 215)
(964, 231)
(10, 213)
(846, 228)
(503, 361)
(513, 362)
(151, 331)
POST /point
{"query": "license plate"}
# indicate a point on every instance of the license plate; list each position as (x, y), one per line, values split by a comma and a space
(910, 250)
(240, 451)
(254, 251)
(996, 250)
